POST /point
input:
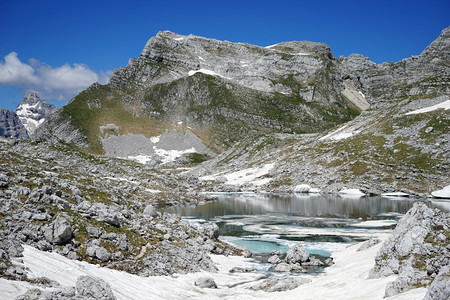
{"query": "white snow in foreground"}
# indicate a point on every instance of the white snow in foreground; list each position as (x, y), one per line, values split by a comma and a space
(250, 175)
(346, 279)
(179, 39)
(201, 58)
(271, 46)
(445, 105)
(444, 193)
(207, 72)
(340, 134)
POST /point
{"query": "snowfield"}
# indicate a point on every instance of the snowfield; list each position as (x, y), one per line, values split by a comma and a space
(244, 176)
(443, 105)
(344, 280)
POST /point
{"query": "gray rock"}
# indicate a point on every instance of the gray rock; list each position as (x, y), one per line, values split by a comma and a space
(368, 244)
(284, 267)
(205, 282)
(102, 254)
(93, 288)
(59, 232)
(93, 231)
(211, 230)
(241, 270)
(274, 259)
(11, 126)
(150, 211)
(280, 284)
(440, 288)
(297, 255)
(415, 250)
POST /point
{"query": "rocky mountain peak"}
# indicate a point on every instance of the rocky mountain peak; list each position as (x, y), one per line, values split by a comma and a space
(31, 98)
(32, 111)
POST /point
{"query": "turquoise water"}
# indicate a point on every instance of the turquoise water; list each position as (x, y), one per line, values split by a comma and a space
(264, 223)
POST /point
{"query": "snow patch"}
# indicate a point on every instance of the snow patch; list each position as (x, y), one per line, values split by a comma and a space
(444, 193)
(155, 139)
(352, 192)
(142, 159)
(244, 176)
(179, 39)
(445, 105)
(170, 155)
(340, 134)
(201, 58)
(207, 72)
(271, 46)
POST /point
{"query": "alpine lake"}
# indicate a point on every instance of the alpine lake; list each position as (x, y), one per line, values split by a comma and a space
(263, 223)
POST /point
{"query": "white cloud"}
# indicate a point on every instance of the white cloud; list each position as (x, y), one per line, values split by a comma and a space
(14, 72)
(60, 83)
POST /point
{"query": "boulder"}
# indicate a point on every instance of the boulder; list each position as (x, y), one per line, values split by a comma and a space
(93, 288)
(440, 288)
(205, 282)
(280, 284)
(297, 255)
(416, 251)
(59, 232)
(211, 230)
(150, 211)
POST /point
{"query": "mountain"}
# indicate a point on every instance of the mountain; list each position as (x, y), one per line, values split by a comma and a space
(217, 90)
(33, 111)
(292, 111)
(399, 144)
(11, 126)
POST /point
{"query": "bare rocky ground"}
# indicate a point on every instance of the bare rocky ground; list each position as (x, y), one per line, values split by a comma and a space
(97, 209)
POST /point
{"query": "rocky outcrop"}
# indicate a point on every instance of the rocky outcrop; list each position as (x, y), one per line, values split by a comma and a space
(11, 126)
(93, 288)
(440, 288)
(297, 260)
(416, 251)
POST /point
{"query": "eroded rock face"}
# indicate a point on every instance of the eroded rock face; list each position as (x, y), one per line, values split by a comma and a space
(11, 126)
(416, 251)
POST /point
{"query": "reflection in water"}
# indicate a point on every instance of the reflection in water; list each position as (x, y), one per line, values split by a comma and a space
(306, 206)
(263, 223)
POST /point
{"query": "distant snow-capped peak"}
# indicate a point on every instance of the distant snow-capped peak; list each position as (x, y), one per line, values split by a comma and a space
(33, 111)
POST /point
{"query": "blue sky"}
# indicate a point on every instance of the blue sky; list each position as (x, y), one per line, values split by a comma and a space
(58, 48)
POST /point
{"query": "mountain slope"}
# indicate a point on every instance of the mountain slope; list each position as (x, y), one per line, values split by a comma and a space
(220, 91)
